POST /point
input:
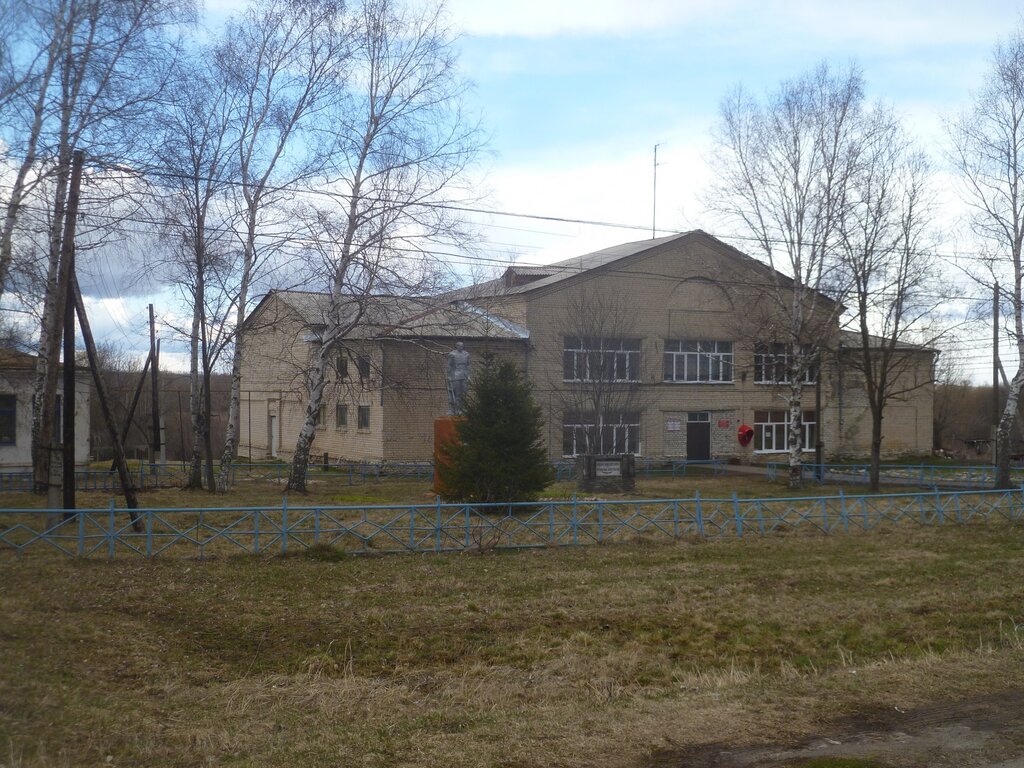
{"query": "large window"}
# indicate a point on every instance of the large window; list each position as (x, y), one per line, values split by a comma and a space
(363, 364)
(709, 361)
(772, 364)
(8, 419)
(617, 433)
(771, 429)
(594, 359)
(340, 416)
(364, 417)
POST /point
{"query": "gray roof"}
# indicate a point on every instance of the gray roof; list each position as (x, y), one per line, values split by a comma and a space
(548, 274)
(851, 340)
(403, 316)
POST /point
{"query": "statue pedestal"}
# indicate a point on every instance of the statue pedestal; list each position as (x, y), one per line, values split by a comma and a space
(445, 433)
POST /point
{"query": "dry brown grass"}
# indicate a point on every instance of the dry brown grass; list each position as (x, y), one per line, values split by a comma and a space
(596, 656)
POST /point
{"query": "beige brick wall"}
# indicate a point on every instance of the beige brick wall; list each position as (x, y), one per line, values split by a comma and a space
(692, 290)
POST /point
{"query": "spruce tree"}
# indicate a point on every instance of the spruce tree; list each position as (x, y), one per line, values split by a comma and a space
(500, 456)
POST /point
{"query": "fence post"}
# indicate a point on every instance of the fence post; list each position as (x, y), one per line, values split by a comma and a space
(110, 539)
(760, 516)
(412, 528)
(675, 519)
(284, 526)
(736, 510)
(437, 527)
(81, 534)
(600, 522)
(149, 533)
(842, 511)
(467, 519)
(700, 514)
(575, 533)
(824, 514)
(255, 531)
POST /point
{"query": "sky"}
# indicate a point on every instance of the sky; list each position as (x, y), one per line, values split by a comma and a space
(575, 94)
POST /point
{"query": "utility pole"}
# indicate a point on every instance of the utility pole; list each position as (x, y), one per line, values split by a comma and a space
(154, 371)
(995, 374)
(67, 248)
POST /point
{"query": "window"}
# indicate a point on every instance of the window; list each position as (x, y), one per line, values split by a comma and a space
(709, 361)
(340, 416)
(618, 433)
(772, 427)
(772, 364)
(318, 420)
(592, 359)
(363, 364)
(364, 417)
(342, 365)
(8, 419)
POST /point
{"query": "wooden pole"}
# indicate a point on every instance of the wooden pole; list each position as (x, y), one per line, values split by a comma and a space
(67, 254)
(156, 391)
(995, 374)
(130, 497)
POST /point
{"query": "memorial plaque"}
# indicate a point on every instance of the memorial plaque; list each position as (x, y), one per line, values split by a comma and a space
(608, 469)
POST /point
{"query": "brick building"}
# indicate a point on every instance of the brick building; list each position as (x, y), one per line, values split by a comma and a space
(662, 347)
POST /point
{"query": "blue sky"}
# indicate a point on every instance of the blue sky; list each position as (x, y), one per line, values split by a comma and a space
(575, 94)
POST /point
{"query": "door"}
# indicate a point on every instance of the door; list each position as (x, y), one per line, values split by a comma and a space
(698, 436)
(272, 422)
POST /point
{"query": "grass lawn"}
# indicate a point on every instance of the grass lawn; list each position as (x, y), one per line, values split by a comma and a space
(597, 656)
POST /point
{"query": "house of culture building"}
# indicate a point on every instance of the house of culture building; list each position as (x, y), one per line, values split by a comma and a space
(661, 348)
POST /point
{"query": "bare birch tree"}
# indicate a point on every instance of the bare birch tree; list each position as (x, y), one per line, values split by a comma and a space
(284, 63)
(887, 260)
(600, 388)
(784, 167)
(99, 66)
(197, 161)
(988, 151)
(403, 147)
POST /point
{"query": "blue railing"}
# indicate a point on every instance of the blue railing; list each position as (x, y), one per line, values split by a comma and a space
(176, 474)
(442, 527)
(921, 475)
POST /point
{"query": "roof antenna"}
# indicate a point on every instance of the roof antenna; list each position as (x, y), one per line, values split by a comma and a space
(654, 200)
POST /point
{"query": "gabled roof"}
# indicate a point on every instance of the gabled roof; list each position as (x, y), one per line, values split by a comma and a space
(851, 340)
(11, 359)
(518, 280)
(399, 316)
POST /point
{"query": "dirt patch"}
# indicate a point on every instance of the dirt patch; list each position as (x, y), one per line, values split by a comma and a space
(986, 732)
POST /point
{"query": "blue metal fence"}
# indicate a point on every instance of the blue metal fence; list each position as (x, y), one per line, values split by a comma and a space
(442, 527)
(176, 474)
(148, 476)
(921, 475)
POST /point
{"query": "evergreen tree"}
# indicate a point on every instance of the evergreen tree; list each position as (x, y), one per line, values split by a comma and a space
(500, 456)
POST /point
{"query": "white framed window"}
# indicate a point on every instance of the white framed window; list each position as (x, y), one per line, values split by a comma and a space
(771, 431)
(594, 359)
(364, 417)
(698, 361)
(773, 362)
(616, 433)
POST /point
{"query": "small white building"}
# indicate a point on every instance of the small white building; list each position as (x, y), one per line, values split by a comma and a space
(17, 371)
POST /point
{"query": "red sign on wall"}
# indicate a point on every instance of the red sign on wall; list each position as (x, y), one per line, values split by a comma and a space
(723, 423)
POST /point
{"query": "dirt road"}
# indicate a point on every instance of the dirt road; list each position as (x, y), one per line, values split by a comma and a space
(979, 733)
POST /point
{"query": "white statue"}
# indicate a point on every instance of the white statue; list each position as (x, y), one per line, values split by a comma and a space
(458, 378)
